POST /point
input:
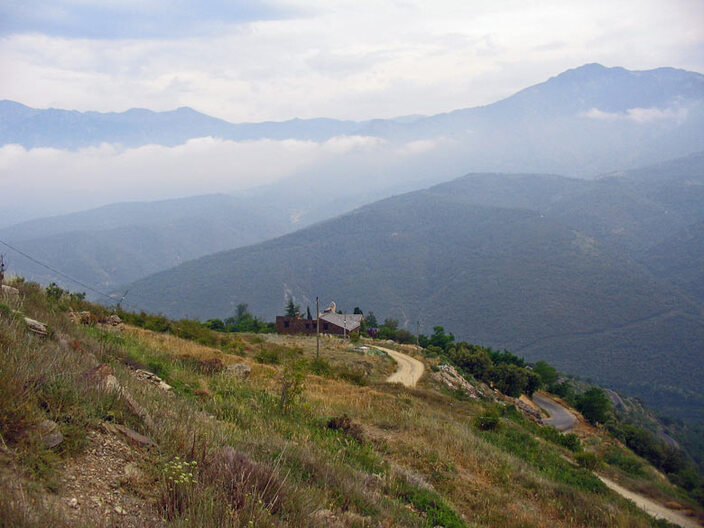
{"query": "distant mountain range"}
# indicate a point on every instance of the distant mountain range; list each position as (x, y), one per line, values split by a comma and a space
(582, 122)
(553, 268)
(123, 242)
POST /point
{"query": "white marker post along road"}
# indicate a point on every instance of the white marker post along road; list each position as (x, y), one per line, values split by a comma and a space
(409, 369)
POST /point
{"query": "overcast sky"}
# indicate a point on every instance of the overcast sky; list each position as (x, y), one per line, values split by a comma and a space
(307, 58)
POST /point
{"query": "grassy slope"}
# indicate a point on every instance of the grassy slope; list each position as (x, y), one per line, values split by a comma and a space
(421, 462)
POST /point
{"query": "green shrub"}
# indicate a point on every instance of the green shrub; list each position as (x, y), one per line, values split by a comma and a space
(488, 420)
(587, 460)
(625, 462)
(269, 356)
(353, 375)
(436, 510)
(320, 367)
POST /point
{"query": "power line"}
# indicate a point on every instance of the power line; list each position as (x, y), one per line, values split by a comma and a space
(61, 273)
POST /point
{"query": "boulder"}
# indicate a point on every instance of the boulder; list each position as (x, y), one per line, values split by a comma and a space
(145, 375)
(10, 292)
(50, 434)
(131, 435)
(36, 327)
(241, 370)
(103, 377)
(448, 375)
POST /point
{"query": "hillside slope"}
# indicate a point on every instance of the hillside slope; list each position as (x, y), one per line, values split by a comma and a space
(100, 441)
(550, 267)
(120, 243)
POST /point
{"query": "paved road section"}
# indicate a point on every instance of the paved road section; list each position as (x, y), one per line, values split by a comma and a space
(409, 369)
(560, 417)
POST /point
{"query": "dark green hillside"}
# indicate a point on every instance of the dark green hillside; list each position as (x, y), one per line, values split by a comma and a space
(505, 277)
(679, 258)
(120, 243)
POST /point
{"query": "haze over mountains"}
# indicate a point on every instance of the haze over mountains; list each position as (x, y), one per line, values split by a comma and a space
(583, 122)
(549, 267)
(592, 273)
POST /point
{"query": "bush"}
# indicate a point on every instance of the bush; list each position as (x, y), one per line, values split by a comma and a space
(437, 512)
(320, 367)
(238, 477)
(625, 462)
(353, 375)
(345, 424)
(270, 356)
(594, 405)
(488, 420)
(587, 460)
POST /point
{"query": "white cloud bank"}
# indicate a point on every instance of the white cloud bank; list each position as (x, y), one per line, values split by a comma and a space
(639, 115)
(50, 180)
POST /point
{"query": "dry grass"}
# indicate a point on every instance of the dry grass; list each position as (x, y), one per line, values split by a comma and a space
(420, 461)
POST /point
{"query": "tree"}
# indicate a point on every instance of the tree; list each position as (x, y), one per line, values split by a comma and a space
(371, 320)
(547, 373)
(308, 314)
(508, 378)
(292, 309)
(357, 310)
(594, 405)
(440, 339)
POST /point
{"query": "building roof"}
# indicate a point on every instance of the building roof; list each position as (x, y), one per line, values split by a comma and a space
(347, 321)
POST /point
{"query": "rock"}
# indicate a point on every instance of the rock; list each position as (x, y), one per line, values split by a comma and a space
(81, 317)
(132, 473)
(50, 434)
(327, 518)
(113, 320)
(145, 375)
(73, 502)
(530, 412)
(449, 376)
(132, 436)
(120, 511)
(241, 370)
(36, 327)
(10, 292)
(103, 377)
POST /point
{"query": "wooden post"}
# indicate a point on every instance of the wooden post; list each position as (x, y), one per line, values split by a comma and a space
(317, 329)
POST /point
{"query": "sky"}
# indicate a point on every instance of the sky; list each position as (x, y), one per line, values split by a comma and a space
(276, 60)
(249, 61)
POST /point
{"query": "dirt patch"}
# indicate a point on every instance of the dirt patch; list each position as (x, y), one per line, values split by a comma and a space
(103, 486)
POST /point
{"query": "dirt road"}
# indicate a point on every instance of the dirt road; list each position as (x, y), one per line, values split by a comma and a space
(652, 508)
(409, 369)
(560, 417)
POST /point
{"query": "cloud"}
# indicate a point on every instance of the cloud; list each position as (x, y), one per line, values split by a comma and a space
(132, 19)
(49, 178)
(333, 58)
(639, 115)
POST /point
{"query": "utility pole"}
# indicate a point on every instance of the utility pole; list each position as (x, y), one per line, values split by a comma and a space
(317, 329)
(418, 332)
(344, 328)
(2, 268)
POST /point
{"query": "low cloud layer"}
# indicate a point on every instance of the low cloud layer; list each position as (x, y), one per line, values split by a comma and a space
(49, 180)
(639, 115)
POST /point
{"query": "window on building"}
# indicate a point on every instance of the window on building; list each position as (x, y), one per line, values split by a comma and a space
(286, 324)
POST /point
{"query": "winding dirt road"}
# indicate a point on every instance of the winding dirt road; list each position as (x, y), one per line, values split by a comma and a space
(652, 508)
(409, 369)
(564, 420)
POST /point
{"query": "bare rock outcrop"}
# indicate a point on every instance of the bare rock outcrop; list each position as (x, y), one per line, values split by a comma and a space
(448, 375)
